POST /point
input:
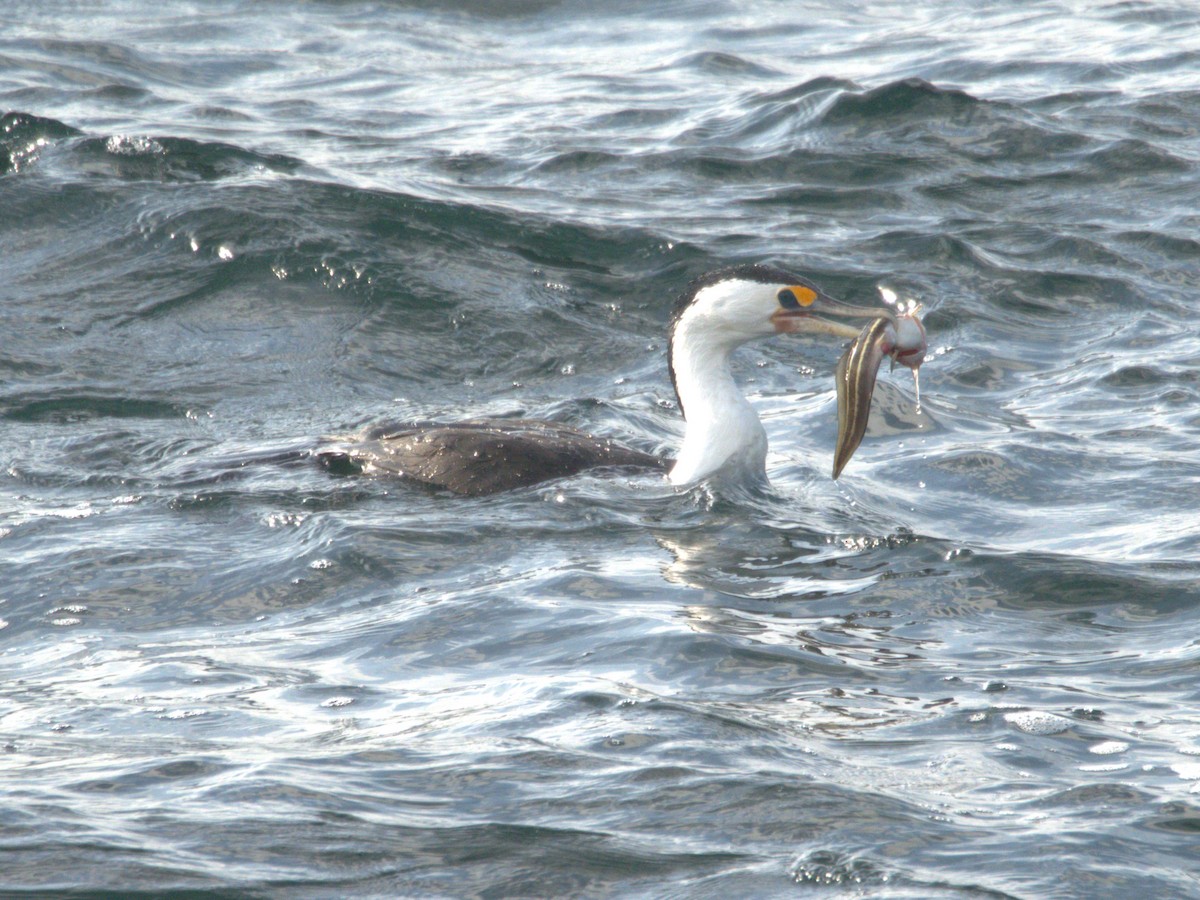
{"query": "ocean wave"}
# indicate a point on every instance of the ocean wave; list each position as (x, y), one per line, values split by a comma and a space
(908, 100)
(217, 250)
(66, 407)
(27, 138)
(22, 137)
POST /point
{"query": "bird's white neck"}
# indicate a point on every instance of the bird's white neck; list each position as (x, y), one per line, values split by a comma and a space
(723, 433)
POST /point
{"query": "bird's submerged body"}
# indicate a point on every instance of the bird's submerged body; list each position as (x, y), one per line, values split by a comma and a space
(724, 438)
(483, 456)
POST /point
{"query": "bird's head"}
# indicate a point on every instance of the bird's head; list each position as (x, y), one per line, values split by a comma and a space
(741, 303)
(731, 306)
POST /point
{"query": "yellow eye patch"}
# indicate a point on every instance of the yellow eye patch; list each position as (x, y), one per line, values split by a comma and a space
(796, 296)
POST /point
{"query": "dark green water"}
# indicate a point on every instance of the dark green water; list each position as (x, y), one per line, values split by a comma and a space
(967, 669)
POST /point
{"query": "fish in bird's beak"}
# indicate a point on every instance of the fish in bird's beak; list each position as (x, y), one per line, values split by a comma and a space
(902, 338)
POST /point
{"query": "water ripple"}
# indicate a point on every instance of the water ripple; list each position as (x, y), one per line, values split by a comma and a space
(228, 671)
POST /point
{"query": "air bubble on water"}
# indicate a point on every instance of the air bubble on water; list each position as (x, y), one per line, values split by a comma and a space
(1035, 722)
(126, 145)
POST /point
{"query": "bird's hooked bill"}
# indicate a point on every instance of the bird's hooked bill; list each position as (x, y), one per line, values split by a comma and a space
(903, 341)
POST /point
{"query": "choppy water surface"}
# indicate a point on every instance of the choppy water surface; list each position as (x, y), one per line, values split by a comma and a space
(967, 669)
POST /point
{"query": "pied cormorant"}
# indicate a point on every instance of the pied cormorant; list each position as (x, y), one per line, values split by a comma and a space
(723, 439)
